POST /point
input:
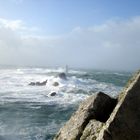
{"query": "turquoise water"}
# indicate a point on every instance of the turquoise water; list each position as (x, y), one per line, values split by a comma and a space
(30, 113)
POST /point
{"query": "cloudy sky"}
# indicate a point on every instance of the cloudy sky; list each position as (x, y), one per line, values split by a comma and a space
(99, 34)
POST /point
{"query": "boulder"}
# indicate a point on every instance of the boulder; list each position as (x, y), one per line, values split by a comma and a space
(124, 122)
(97, 107)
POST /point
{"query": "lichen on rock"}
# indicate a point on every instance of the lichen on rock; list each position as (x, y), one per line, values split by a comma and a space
(91, 130)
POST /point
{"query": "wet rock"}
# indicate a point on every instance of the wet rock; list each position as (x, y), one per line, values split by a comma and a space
(96, 107)
(38, 83)
(62, 76)
(52, 94)
(32, 84)
(55, 84)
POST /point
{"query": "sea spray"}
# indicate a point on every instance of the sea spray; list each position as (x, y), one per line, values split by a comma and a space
(28, 112)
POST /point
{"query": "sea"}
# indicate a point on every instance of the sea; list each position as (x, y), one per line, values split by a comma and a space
(31, 113)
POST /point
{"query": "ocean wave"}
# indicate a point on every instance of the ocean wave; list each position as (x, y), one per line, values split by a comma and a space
(34, 113)
(14, 86)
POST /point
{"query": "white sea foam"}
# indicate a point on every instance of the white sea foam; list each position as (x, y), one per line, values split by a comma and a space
(30, 112)
(14, 86)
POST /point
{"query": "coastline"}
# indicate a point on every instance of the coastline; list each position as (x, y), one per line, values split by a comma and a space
(86, 124)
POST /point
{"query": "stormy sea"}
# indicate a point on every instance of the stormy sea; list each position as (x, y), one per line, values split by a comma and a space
(30, 112)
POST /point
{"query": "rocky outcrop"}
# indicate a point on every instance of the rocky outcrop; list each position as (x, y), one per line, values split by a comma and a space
(95, 120)
(96, 107)
(124, 122)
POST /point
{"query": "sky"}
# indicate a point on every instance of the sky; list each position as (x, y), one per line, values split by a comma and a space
(98, 34)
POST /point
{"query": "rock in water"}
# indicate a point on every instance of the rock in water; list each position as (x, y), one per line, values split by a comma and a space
(38, 83)
(55, 84)
(124, 122)
(96, 107)
(62, 76)
(52, 94)
(32, 84)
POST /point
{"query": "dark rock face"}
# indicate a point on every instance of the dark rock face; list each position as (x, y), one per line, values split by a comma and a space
(96, 107)
(62, 76)
(38, 83)
(103, 108)
(124, 122)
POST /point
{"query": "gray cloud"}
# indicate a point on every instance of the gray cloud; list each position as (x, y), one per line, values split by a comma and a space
(112, 45)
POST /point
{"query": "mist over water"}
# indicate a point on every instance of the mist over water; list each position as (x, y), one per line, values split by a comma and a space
(30, 113)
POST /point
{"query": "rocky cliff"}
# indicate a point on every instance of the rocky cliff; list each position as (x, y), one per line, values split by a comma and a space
(102, 118)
